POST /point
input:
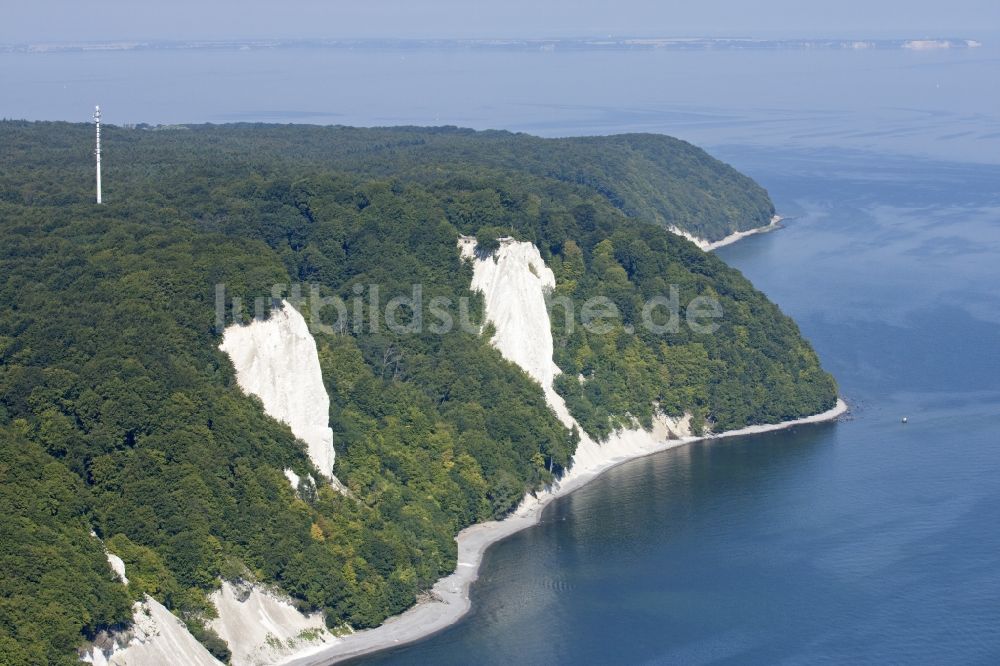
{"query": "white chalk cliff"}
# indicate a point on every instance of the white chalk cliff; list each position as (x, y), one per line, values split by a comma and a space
(514, 282)
(276, 360)
(262, 626)
(118, 566)
(156, 637)
(708, 246)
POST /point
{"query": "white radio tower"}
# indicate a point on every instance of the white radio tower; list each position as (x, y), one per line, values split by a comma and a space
(97, 150)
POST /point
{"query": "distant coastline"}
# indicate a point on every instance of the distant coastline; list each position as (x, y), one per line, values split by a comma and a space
(510, 44)
(449, 598)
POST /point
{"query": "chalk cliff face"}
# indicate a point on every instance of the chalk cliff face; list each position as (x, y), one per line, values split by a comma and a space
(708, 246)
(156, 637)
(514, 282)
(118, 566)
(276, 360)
(262, 627)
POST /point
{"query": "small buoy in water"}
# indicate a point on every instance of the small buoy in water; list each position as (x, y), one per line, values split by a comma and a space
(904, 419)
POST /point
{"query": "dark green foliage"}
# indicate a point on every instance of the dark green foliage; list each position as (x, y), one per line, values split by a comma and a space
(755, 368)
(649, 176)
(211, 640)
(57, 588)
(112, 387)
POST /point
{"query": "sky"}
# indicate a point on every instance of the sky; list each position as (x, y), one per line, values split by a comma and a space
(102, 20)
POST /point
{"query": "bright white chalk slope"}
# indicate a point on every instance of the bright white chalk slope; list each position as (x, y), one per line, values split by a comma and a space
(276, 360)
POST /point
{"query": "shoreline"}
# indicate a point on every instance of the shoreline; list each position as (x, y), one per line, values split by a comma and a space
(740, 235)
(709, 246)
(450, 599)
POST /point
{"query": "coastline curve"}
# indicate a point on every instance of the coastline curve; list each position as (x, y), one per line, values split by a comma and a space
(449, 598)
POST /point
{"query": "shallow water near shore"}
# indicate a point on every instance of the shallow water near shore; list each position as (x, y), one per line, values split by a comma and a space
(865, 540)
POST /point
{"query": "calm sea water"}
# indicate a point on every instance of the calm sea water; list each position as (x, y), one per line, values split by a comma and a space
(864, 541)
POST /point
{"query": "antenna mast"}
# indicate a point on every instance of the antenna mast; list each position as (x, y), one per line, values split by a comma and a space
(97, 149)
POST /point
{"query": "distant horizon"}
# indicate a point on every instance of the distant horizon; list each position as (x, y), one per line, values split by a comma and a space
(583, 39)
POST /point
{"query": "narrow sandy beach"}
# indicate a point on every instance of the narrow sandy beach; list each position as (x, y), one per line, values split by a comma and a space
(740, 235)
(708, 246)
(450, 595)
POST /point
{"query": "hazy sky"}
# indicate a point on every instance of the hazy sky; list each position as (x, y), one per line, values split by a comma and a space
(71, 20)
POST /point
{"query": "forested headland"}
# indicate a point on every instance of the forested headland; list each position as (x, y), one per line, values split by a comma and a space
(118, 414)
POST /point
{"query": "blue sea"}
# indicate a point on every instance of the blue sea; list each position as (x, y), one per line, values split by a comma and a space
(862, 541)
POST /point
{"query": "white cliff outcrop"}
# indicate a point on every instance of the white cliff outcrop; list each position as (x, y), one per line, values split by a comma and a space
(276, 360)
(118, 566)
(708, 246)
(293, 478)
(514, 282)
(115, 562)
(262, 626)
(156, 637)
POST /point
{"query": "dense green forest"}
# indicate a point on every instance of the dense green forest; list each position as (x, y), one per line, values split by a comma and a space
(648, 176)
(119, 414)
